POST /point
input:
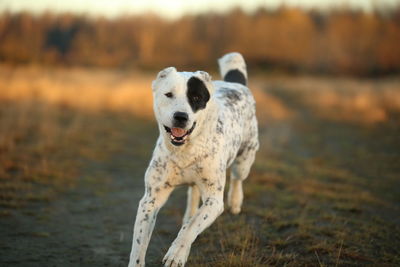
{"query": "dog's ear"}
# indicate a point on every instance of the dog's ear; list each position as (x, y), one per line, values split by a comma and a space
(204, 75)
(199, 90)
(162, 75)
(207, 79)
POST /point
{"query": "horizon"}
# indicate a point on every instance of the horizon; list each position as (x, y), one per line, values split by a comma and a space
(179, 8)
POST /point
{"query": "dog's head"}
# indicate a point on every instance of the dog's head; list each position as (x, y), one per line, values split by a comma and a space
(180, 101)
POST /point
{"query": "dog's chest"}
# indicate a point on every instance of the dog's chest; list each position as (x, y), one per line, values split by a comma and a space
(193, 165)
(191, 174)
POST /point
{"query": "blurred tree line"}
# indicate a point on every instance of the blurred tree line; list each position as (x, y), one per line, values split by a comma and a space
(344, 42)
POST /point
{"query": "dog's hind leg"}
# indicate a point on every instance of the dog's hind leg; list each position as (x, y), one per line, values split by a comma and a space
(239, 171)
(193, 200)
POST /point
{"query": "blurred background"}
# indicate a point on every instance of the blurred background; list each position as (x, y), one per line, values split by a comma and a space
(358, 37)
(77, 128)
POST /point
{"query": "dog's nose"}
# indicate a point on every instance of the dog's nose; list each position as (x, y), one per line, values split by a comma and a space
(181, 117)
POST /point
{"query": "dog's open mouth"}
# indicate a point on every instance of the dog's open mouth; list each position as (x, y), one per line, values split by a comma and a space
(179, 135)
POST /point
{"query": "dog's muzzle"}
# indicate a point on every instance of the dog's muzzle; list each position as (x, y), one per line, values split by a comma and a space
(179, 135)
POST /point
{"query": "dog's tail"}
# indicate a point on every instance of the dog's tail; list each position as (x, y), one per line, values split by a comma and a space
(233, 68)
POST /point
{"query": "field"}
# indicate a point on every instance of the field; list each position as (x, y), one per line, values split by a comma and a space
(74, 145)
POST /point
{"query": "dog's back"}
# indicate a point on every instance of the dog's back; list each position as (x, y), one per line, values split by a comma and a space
(236, 107)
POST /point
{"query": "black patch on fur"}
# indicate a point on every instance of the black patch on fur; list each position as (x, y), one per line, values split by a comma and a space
(235, 76)
(231, 95)
(220, 125)
(197, 94)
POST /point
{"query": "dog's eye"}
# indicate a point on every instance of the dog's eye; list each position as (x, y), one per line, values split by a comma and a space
(169, 95)
(196, 98)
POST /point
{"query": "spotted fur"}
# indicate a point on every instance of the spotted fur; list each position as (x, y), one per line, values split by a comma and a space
(225, 136)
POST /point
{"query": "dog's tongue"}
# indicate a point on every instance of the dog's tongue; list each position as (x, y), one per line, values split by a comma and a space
(178, 132)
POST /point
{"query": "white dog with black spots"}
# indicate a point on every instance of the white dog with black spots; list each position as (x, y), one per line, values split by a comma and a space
(205, 127)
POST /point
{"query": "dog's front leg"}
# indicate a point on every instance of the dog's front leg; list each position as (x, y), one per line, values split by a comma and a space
(156, 194)
(211, 208)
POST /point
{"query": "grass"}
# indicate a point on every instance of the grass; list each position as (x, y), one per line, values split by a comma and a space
(324, 190)
(33, 138)
(85, 90)
(30, 144)
(366, 101)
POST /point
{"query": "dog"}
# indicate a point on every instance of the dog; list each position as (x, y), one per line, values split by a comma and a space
(205, 127)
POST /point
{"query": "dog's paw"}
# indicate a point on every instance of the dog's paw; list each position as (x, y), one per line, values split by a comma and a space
(176, 256)
(235, 209)
(136, 263)
(234, 204)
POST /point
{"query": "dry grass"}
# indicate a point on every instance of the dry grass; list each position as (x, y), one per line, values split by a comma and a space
(88, 90)
(344, 99)
(35, 140)
(269, 107)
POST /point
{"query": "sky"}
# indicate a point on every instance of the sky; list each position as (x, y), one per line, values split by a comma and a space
(176, 8)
